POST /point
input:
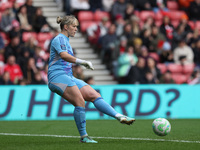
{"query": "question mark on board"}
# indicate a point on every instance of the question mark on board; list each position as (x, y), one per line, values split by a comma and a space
(177, 94)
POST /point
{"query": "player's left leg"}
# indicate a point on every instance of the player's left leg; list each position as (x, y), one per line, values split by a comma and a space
(89, 94)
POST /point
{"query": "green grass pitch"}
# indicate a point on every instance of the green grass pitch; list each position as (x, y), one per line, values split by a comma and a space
(111, 135)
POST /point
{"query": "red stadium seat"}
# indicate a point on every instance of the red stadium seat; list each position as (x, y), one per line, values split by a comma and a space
(85, 24)
(172, 5)
(98, 15)
(158, 23)
(191, 24)
(42, 37)
(159, 16)
(197, 25)
(145, 14)
(85, 16)
(188, 69)
(175, 68)
(175, 23)
(179, 78)
(162, 67)
(2, 57)
(5, 5)
(27, 35)
(175, 14)
(155, 56)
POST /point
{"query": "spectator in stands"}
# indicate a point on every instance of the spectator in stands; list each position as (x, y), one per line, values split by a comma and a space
(16, 30)
(183, 54)
(142, 4)
(2, 45)
(109, 45)
(145, 37)
(39, 58)
(119, 22)
(40, 23)
(155, 37)
(136, 74)
(193, 37)
(13, 48)
(148, 23)
(143, 53)
(149, 78)
(167, 78)
(6, 19)
(194, 10)
(122, 45)
(30, 10)
(5, 79)
(107, 5)
(22, 82)
(127, 32)
(13, 69)
(96, 5)
(196, 51)
(30, 70)
(158, 5)
(125, 61)
(137, 44)
(153, 71)
(38, 79)
(195, 78)
(129, 11)
(166, 54)
(135, 30)
(23, 18)
(77, 5)
(119, 7)
(44, 73)
(167, 28)
(96, 31)
(184, 22)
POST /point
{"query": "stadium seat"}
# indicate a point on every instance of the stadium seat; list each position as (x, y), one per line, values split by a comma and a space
(27, 35)
(191, 24)
(175, 14)
(5, 5)
(85, 16)
(172, 5)
(159, 16)
(98, 15)
(162, 67)
(85, 24)
(197, 25)
(155, 56)
(188, 69)
(145, 14)
(42, 37)
(179, 78)
(0, 16)
(175, 23)
(175, 68)
(158, 23)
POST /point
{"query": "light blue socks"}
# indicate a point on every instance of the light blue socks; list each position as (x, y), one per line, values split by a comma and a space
(79, 117)
(104, 107)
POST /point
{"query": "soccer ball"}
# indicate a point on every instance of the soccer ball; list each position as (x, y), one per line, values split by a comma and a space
(161, 126)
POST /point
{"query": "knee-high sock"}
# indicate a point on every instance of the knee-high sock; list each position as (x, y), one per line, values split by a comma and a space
(79, 117)
(104, 107)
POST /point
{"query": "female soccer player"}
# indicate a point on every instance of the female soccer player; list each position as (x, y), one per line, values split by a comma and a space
(75, 91)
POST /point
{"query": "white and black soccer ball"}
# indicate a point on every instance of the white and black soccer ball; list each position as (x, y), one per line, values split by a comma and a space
(161, 126)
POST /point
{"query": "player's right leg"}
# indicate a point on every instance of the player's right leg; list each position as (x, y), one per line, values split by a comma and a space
(66, 88)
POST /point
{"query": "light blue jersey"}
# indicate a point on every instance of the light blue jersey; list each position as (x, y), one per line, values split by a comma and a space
(57, 65)
(60, 73)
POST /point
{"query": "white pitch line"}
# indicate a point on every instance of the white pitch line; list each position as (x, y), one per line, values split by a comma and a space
(110, 138)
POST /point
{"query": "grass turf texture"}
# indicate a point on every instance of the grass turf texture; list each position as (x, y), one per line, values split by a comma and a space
(187, 130)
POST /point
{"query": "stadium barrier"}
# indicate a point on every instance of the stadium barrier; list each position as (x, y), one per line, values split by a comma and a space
(37, 102)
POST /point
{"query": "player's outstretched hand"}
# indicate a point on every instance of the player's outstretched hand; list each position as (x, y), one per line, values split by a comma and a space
(88, 65)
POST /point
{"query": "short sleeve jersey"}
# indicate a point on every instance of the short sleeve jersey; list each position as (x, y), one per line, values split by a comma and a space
(57, 65)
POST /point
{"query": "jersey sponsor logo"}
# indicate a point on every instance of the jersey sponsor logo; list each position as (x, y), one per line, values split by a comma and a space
(63, 47)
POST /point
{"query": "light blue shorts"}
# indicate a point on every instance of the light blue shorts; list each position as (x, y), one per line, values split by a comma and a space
(59, 84)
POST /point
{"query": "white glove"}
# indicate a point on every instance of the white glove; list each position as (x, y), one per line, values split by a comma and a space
(85, 63)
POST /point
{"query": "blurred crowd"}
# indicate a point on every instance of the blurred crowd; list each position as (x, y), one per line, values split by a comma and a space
(140, 41)
(144, 41)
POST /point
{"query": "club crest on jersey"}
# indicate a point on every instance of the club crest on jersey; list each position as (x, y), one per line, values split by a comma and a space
(63, 47)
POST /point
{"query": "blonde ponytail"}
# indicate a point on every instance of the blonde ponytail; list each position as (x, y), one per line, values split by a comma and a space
(59, 20)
